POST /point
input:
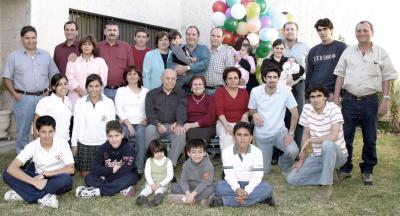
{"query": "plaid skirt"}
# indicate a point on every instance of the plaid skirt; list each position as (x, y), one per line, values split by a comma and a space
(85, 157)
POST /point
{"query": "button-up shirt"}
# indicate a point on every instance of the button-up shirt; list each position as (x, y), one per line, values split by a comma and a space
(220, 59)
(166, 108)
(61, 53)
(363, 74)
(30, 73)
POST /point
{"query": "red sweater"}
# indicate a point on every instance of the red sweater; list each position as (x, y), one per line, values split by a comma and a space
(203, 113)
(232, 108)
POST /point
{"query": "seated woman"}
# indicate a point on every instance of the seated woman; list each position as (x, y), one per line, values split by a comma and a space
(50, 174)
(57, 105)
(231, 104)
(201, 112)
(129, 104)
(91, 114)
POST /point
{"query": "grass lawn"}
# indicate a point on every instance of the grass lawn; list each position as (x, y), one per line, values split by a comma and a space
(350, 197)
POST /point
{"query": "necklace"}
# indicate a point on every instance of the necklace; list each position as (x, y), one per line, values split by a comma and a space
(199, 100)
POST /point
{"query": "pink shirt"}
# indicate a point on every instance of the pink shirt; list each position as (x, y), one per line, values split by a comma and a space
(80, 69)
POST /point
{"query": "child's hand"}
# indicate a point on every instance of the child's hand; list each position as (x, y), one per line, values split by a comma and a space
(237, 58)
(253, 71)
(192, 59)
(190, 198)
(154, 186)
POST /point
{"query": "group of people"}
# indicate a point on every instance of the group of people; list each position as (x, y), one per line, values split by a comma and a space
(114, 103)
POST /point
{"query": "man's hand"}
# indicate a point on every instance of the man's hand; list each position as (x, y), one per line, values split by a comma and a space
(177, 129)
(298, 165)
(228, 129)
(383, 107)
(258, 120)
(131, 130)
(241, 196)
(40, 183)
(287, 139)
(336, 100)
(72, 57)
(190, 198)
(181, 69)
(161, 128)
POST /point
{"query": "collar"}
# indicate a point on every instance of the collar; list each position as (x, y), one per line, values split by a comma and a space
(161, 90)
(235, 151)
(89, 100)
(323, 111)
(372, 48)
(76, 43)
(55, 97)
(81, 59)
(278, 89)
(37, 51)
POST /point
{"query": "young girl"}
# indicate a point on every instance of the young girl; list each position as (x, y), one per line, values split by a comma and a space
(244, 53)
(158, 172)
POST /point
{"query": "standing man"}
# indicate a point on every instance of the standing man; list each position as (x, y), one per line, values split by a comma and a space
(200, 57)
(267, 105)
(117, 54)
(323, 130)
(362, 72)
(298, 50)
(221, 58)
(71, 45)
(322, 58)
(166, 108)
(140, 48)
(26, 76)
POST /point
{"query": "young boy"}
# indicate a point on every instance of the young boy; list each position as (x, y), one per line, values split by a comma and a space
(50, 174)
(114, 169)
(180, 54)
(196, 184)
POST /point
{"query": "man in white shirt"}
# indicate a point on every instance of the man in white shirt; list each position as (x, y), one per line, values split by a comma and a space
(51, 174)
(243, 168)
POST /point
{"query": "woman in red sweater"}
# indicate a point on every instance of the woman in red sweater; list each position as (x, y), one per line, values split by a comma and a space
(201, 111)
(231, 103)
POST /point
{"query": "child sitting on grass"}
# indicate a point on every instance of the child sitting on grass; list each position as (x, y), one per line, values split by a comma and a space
(196, 183)
(158, 172)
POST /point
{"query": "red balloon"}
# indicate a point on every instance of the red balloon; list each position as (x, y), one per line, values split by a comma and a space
(227, 37)
(235, 38)
(219, 6)
(245, 2)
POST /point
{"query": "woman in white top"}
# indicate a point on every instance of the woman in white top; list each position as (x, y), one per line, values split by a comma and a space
(57, 105)
(91, 114)
(129, 104)
(87, 63)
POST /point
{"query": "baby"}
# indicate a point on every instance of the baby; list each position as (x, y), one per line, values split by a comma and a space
(244, 53)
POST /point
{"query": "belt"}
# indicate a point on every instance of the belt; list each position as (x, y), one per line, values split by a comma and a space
(114, 87)
(32, 93)
(364, 97)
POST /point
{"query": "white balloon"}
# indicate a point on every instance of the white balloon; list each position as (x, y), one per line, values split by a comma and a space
(218, 18)
(238, 11)
(253, 39)
(268, 34)
(278, 21)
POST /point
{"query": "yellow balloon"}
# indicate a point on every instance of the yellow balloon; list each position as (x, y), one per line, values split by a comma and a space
(253, 10)
(290, 17)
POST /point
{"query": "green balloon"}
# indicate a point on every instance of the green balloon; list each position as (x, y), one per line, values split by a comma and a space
(263, 5)
(266, 46)
(231, 24)
(261, 52)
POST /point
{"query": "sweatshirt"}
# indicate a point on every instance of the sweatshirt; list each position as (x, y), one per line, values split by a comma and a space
(200, 175)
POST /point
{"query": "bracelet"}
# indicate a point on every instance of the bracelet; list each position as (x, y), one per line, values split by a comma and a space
(291, 134)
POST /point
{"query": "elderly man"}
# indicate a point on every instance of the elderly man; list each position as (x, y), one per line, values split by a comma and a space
(362, 72)
(26, 76)
(166, 113)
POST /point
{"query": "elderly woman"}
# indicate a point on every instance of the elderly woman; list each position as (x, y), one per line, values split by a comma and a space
(87, 63)
(231, 104)
(129, 104)
(201, 115)
(155, 61)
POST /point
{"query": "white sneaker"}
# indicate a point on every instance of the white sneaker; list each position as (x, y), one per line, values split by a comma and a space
(89, 192)
(49, 200)
(126, 191)
(11, 195)
(78, 190)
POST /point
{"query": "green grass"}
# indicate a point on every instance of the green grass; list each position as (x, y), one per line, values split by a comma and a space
(350, 197)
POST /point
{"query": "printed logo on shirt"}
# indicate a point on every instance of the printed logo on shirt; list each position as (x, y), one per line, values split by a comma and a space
(206, 176)
(109, 163)
(324, 57)
(58, 156)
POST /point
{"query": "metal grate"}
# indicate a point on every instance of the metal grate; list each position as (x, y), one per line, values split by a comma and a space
(90, 23)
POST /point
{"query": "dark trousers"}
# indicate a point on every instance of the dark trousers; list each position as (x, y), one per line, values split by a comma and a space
(58, 184)
(111, 187)
(363, 112)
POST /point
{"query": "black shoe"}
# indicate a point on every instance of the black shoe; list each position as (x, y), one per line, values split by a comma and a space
(215, 201)
(270, 201)
(142, 200)
(223, 175)
(173, 179)
(158, 198)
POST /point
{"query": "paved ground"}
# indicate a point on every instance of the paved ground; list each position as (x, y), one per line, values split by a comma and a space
(6, 145)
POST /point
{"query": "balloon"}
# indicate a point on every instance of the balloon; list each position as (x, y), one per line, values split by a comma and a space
(253, 39)
(227, 37)
(238, 11)
(266, 21)
(252, 10)
(235, 39)
(290, 17)
(268, 34)
(253, 25)
(263, 5)
(219, 6)
(274, 10)
(245, 2)
(218, 18)
(230, 24)
(232, 2)
(266, 46)
(242, 28)
(228, 13)
(278, 21)
(261, 53)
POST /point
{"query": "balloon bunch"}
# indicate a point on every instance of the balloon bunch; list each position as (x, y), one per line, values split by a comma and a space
(255, 19)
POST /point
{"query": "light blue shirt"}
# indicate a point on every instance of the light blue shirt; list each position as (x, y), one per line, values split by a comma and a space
(271, 108)
(153, 67)
(30, 73)
(299, 51)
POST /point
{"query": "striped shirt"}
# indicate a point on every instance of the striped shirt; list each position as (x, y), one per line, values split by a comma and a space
(321, 124)
(220, 59)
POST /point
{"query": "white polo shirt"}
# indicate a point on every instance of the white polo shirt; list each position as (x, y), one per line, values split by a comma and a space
(90, 120)
(57, 157)
(271, 108)
(60, 110)
(130, 105)
(321, 124)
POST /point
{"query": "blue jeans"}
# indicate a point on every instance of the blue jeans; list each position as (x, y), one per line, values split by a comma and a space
(300, 97)
(24, 111)
(139, 143)
(286, 160)
(109, 188)
(318, 170)
(363, 112)
(260, 193)
(58, 184)
(110, 93)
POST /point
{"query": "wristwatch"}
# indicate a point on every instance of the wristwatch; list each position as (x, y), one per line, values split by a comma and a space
(290, 133)
(387, 97)
(188, 68)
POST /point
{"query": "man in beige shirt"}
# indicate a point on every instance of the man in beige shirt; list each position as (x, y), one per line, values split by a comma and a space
(363, 70)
